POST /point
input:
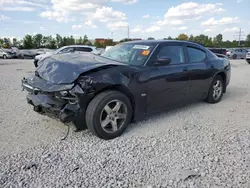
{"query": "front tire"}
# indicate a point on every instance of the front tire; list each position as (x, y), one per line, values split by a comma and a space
(216, 90)
(109, 114)
(4, 56)
(248, 61)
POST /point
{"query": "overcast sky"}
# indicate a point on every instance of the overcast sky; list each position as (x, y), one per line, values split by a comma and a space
(110, 18)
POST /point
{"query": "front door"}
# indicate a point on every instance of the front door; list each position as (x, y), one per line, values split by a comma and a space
(168, 85)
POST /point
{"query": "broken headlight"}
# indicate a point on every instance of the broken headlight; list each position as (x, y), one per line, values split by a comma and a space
(87, 83)
(64, 93)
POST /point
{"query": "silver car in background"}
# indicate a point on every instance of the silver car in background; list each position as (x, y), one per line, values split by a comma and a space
(5, 54)
(237, 53)
(67, 49)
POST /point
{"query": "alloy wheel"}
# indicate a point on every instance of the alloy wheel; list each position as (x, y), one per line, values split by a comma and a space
(217, 90)
(113, 116)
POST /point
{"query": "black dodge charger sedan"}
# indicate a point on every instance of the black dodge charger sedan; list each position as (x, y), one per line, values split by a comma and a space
(126, 83)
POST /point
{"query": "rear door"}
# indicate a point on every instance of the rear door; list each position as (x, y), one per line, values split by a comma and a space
(198, 71)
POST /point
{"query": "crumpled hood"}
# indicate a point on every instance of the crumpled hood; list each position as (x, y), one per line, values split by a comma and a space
(66, 68)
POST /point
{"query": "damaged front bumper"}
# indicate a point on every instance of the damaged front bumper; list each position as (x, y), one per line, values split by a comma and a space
(52, 100)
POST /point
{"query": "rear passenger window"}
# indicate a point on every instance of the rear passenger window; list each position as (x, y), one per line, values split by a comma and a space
(195, 55)
(84, 49)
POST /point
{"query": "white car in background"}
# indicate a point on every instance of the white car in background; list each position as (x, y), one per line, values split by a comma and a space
(237, 53)
(66, 49)
(248, 57)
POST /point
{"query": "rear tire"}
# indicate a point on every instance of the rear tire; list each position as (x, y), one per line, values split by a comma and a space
(109, 114)
(248, 61)
(216, 90)
(4, 56)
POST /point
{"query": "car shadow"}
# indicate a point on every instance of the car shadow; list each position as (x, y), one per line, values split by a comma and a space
(232, 94)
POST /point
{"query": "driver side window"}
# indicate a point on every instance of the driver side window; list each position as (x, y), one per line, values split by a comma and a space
(174, 52)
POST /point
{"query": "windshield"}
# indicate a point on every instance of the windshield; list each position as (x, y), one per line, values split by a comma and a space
(58, 50)
(130, 53)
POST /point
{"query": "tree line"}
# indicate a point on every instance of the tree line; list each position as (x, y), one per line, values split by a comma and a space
(41, 41)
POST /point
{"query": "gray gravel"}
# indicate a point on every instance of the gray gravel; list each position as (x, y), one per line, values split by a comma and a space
(200, 145)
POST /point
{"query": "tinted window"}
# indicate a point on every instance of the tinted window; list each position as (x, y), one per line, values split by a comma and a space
(84, 49)
(174, 52)
(65, 50)
(195, 55)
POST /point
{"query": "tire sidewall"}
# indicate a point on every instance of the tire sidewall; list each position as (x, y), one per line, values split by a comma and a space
(96, 121)
(4, 57)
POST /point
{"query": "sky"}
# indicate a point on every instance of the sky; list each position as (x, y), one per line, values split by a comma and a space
(112, 18)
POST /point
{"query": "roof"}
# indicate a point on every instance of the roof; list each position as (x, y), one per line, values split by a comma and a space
(162, 41)
(75, 45)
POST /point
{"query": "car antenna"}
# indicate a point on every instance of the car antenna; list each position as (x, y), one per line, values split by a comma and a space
(64, 138)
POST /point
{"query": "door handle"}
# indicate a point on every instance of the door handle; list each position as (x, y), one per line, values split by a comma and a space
(185, 69)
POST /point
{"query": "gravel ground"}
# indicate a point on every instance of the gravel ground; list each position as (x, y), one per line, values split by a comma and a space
(200, 145)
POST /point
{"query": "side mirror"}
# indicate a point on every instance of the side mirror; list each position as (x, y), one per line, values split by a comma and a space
(162, 61)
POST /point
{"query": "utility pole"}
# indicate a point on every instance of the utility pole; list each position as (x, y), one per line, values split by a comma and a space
(239, 36)
(128, 31)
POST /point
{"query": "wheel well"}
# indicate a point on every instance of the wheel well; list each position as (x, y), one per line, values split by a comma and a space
(123, 90)
(223, 76)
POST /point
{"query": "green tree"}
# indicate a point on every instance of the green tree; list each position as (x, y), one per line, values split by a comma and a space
(79, 41)
(182, 37)
(219, 39)
(37, 40)
(89, 43)
(98, 44)
(151, 38)
(85, 39)
(59, 41)
(209, 42)
(6, 43)
(14, 43)
(27, 42)
(1, 42)
(191, 38)
(248, 40)
(52, 44)
(125, 40)
(108, 42)
(72, 40)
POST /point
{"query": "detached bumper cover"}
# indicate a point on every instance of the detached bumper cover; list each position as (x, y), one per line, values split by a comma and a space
(47, 104)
